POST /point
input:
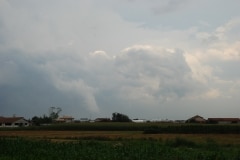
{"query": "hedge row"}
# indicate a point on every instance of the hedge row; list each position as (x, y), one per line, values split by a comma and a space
(147, 128)
(195, 129)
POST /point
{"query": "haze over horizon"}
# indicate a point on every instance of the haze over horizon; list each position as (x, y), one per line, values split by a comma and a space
(147, 59)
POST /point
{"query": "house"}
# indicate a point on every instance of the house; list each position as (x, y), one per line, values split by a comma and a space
(223, 120)
(13, 122)
(64, 119)
(196, 119)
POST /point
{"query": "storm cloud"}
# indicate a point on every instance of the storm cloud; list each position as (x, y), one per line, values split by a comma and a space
(93, 59)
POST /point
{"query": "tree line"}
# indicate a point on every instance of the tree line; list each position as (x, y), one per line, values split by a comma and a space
(116, 117)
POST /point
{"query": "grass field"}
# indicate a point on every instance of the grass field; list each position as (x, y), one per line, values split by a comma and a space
(77, 142)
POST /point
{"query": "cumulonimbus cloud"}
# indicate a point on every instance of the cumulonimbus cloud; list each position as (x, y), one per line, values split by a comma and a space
(72, 57)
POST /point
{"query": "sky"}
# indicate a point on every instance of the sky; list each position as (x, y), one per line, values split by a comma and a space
(150, 59)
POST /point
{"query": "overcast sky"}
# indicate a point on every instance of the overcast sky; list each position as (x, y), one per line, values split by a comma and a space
(168, 59)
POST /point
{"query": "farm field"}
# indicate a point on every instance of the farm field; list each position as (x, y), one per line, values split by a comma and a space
(17, 148)
(116, 135)
(114, 141)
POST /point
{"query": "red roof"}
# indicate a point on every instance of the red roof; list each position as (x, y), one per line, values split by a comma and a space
(9, 119)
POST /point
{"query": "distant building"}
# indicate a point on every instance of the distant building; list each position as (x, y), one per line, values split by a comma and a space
(223, 120)
(179, 121)
(139, 120)
(13, 122)
(64, 119)
(102, 120)
(155, 120)
(84, 120)
(196, 119)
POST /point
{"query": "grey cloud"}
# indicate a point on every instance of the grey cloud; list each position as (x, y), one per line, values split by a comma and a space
(27, 88)
(226, 70)
(69, 54)
(160, 7)
(168, 6)
(34, 83)
(145, 65)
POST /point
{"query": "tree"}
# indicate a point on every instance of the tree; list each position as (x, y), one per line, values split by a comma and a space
(54, 112)
(41, 120)
(118, 117)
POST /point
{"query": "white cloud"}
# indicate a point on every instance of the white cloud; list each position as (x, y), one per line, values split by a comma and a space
(229, 29)
(226, 52)
(215, 64)
(200, 72)
(211, 94)
(100, 55)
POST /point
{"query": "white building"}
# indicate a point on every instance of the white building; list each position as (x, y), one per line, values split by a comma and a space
(13, 122)
(139, 120)
(65, 119)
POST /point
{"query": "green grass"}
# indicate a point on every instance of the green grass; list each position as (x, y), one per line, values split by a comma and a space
(178, 148)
